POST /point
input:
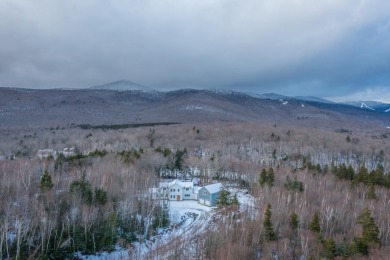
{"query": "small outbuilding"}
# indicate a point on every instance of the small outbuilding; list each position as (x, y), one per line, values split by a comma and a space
(207, 195)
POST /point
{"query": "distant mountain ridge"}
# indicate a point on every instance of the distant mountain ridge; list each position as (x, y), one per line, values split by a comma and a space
(124, 85)
(274, 96)
(125, 102)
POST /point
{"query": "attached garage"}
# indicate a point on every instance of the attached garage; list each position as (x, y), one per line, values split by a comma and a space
(207, 195)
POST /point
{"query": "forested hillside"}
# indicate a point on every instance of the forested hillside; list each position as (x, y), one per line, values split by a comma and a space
(317, 193)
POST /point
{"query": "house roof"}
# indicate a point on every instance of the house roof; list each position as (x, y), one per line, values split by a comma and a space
(213, 188)
(182, 184)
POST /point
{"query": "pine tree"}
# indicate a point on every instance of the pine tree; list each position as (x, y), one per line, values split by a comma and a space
(350, 173)
(362, 176)
(294, 222)
(263, 177)
(326, 168)
(294, 238)
(223, 198)
(271, 177)
(269, 229)
(370, 233)
(342, 171)
(371, 192)
(46, 183)
(235, 200)
(329, 251)
(315, 223)
(377, 176)
(100, 196)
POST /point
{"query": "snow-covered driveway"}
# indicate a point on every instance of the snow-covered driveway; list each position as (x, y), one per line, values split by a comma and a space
(198, 216)
(188, 219)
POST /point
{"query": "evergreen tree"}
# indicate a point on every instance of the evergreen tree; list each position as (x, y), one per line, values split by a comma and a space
(329, 251)
(100, 196)
(318, 168)
(271, 177)
(362, 176)
(293, 184)
(235, 200)
(223, 198)
(342, 171)
(333, 168)
(371, 192)
(269, 229)
(377, 176)
(370, 233)
(343, 249)
(83, 188)
(350, 173)
(315, 223)
(294, 222)
(46, 183)
(263, 177)
(294, 238)
(326, 168)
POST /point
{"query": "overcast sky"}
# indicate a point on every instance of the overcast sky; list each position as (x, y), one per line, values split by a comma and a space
(331, 48)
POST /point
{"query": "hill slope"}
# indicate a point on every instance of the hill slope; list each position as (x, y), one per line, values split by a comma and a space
(26, 107)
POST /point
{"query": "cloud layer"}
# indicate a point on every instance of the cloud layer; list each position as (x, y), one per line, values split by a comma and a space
(295, 47)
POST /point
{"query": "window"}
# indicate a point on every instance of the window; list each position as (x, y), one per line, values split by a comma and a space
(187, 188)
(164, 188)
(187, 195)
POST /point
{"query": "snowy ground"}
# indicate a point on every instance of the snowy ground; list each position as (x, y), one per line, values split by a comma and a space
(188, 218)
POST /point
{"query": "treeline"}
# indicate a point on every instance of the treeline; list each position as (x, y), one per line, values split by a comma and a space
(362, 175)
(124, 126)
(375, 177)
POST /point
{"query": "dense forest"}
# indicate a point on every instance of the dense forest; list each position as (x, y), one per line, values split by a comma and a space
(318, 194)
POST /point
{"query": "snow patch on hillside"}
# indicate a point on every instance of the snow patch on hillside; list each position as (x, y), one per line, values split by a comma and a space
(363, 105)
(202, 107)
(284, 102)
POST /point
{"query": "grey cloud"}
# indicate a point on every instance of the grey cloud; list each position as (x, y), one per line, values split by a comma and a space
(290, 47)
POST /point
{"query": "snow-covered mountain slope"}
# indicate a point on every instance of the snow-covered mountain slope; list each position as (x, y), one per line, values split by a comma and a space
(370, 105)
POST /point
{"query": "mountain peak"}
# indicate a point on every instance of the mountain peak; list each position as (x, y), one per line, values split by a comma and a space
(124, 85)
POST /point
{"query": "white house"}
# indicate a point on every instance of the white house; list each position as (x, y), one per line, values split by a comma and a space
(176, 190)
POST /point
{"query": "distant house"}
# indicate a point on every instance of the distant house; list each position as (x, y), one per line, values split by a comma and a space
(176, 190)
(184, 190)
(207, 195)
